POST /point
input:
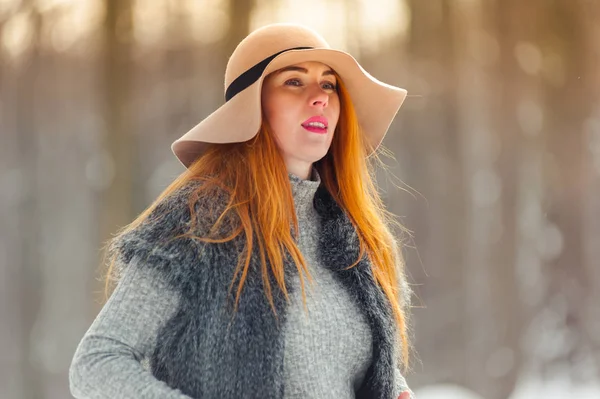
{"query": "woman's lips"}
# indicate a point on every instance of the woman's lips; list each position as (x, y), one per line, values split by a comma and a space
(315, 129)
(312, 124)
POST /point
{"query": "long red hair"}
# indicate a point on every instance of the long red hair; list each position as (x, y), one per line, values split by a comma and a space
(255, 177)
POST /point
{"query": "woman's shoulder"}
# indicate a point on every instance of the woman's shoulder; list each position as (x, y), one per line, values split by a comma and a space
(191, 204)
(188, 210)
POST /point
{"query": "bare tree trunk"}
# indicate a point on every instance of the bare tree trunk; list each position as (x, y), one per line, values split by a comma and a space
(491, 301)
(239, 13)
(116, 205)
(548, 221)
(11, 328)
(219, 53)
(434, 164)
(28, 298)
(8, 379)
(570, 281)
(590, 15)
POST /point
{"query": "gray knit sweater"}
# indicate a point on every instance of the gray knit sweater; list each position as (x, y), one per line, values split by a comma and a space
(327, 349)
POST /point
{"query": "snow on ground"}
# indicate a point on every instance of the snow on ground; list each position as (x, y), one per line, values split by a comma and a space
(557, 389)
(445, 391)
(530, 389)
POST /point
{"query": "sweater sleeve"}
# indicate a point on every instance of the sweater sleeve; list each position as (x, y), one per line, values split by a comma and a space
(401, 384)
(108, 362)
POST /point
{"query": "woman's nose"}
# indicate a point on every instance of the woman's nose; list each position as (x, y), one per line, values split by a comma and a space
(318, 97)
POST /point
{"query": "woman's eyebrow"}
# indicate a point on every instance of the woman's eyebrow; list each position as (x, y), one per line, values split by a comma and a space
(303, 70)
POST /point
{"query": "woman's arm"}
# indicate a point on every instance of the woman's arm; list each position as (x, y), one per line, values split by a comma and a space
(402, 386)
(106, 363)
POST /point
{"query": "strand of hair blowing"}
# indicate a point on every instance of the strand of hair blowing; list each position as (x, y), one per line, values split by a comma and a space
(255, 178)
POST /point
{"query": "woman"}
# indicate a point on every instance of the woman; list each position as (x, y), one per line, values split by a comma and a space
(211, 300)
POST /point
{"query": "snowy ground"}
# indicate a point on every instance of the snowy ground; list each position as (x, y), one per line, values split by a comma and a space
(444, 392)
(559, 389)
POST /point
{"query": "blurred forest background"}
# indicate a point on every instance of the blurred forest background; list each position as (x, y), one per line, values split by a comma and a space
(499, 142)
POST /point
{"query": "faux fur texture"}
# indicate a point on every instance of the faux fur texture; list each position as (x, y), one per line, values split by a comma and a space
(198, 351)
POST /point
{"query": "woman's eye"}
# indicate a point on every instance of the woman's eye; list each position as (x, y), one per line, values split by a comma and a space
(329, 86)
(293, 82)
(297, 82)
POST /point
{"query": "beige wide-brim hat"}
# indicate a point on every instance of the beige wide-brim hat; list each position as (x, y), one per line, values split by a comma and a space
(266, 50)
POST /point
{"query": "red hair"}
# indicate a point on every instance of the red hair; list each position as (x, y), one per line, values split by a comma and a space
(255, 177)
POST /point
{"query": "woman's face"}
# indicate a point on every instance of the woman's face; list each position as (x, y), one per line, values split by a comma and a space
(302, 107)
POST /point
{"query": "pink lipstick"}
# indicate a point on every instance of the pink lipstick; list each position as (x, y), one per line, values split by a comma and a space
(316, 124)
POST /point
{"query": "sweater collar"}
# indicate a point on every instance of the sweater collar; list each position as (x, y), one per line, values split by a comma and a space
(303, 190)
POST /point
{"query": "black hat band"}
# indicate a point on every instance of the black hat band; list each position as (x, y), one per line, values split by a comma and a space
(251, 75)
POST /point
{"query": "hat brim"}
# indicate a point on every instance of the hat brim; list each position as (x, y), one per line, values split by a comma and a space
(238, 120)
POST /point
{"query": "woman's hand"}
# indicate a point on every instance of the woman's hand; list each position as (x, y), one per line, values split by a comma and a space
(404, 395)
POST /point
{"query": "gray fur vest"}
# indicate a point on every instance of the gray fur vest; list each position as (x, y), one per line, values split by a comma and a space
(206, 353)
